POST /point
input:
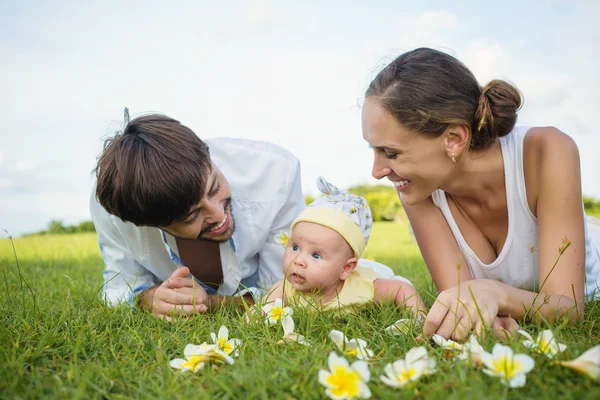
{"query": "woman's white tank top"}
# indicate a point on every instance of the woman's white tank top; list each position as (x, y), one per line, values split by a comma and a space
(516, 265)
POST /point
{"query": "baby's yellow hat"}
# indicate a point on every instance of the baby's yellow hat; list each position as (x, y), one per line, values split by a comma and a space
(347, 214)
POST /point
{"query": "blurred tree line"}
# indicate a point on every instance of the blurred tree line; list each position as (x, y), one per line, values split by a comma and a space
(56, 227)
(383, 200)
(591, 205)
(385, 204)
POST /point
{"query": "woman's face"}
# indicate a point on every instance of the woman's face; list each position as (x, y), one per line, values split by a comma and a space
(415, 163)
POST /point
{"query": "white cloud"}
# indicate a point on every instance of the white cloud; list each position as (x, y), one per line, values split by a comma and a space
(21, 165)
(407, 31)
(260, 13)
(15, 182)
(432, 21)
(25, 213)
(486, 60)
(292, 74)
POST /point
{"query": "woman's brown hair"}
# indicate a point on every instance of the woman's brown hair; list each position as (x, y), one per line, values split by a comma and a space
(426, 90)
(153, 172)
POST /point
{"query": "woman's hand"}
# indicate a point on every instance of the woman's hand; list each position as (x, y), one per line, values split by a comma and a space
(504, 327)
(471, 306)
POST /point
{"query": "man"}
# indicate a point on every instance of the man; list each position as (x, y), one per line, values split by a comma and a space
(165, 199)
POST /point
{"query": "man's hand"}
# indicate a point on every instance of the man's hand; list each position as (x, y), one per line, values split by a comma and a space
(179, 295)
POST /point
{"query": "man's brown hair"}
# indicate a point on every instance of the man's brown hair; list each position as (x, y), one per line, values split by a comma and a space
(153, 172)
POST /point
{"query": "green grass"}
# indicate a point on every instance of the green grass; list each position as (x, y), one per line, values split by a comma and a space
(59, 341)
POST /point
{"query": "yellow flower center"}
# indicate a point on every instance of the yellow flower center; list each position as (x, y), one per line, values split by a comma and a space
(227, 348)
(454, 346)
(545, 346)
(277, 313)
(449, 353)
(508, 366)
(213, 356)
(405, 375)
(194, 362)
(344, 382)
(353, 352)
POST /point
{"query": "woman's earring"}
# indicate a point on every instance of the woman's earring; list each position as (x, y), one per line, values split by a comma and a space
(453, 158)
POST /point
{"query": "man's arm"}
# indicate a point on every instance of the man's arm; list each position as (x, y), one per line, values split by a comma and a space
(123, 275)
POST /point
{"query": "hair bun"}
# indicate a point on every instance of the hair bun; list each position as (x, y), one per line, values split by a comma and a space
(427, 90)
(496, 112)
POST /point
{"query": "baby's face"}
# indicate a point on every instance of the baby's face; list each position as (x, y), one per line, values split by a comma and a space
(315, 257)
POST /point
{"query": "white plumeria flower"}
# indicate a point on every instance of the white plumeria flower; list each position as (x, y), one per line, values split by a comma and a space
(345, 381)
(354, 347)
(545, 343)
(405, 372)
(588, 363)
(212, 353)
(276, 311)
(400, 373)
(282, 238)
(472, 350)
(418, 354)
(403, 326)
(451, 347)
(289, 334)
(196, 356)
(228, 346)
(194, 359)
(510, 368)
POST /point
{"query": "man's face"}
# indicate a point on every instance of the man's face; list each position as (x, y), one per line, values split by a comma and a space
(211, 218)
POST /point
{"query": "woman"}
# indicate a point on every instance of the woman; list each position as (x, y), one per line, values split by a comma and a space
(491, 204)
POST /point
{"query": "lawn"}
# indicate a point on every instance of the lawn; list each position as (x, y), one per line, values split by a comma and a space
(59, 341)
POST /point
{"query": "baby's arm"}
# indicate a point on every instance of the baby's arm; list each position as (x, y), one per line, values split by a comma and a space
(276, 292)
(401, 293)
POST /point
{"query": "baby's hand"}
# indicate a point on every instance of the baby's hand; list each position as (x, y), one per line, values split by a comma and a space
(404, 326)
(253, 314)
(402, 293)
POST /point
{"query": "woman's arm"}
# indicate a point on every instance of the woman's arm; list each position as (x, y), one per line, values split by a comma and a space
(552, 177)
(553, 181)
(450, 314)
(437, 244)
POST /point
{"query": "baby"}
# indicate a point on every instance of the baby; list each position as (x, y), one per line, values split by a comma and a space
(322, 265)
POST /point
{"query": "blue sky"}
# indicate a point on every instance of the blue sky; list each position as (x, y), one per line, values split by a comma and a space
(281, 71)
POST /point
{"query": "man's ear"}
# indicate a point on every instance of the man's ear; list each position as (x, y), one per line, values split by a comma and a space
(457, 139)
(348, 268)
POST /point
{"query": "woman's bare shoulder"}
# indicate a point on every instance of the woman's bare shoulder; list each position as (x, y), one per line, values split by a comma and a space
(545, 141)
(544, 150)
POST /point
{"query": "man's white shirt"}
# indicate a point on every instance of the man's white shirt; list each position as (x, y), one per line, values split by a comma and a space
(266, 196)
